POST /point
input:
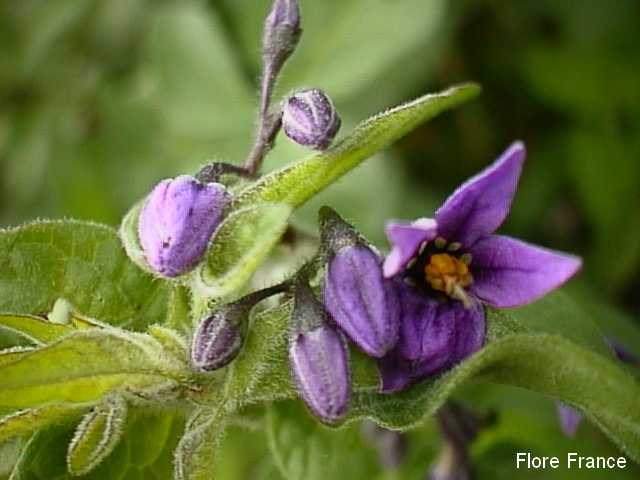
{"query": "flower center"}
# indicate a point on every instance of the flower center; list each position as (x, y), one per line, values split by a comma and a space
(448, 274)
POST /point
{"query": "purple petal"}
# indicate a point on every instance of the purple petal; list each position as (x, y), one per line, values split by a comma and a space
(426, 327)
(480, 205)
(433, 337)
(569, 419)
(320, 364)
(405, 239)
(471, 330)
(508, 272)
(363, 303)
(396, 373)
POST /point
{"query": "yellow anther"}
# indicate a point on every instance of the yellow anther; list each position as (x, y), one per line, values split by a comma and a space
(448, 274)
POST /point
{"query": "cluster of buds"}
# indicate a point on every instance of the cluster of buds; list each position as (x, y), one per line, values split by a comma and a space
(180, 215)
(308, 117)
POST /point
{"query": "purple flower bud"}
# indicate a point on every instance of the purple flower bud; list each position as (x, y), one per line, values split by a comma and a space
(219, 337)
(362, 302)
(310, 119)
(281, 35)
(319, 359)
(284, 14)
(177, 221)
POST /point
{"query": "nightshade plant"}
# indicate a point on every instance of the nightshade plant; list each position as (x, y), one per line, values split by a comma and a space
(156, 331)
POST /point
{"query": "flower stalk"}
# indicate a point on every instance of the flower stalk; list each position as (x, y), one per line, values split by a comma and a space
(281, 36)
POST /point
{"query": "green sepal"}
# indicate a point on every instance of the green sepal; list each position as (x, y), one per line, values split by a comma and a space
(196, 451)
(96, 436)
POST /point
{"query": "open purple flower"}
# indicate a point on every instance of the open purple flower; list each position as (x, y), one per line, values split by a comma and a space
(447, 267)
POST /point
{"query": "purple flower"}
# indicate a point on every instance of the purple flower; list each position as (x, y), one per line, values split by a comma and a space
(310, 119)
(361, 301)
(319, 359)
(447, 267)
(177, 221)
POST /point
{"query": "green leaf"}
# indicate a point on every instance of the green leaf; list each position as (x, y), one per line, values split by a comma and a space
(36, 329)
(297, 183)
(541, 362)
(238, 247)
(10, 355)
(178, 313)
(96, 436)
(145, 450)
(195, 454)
(551, 347)
(129, 235)
(85, 365)
(81, 262)
(172, 342)
(304, 449)
(28, 421)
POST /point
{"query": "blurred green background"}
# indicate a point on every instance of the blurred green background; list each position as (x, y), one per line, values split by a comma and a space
(99, 99)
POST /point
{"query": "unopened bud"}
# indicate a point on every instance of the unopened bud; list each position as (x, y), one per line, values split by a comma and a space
(281, 32)
(309, 118)
(319, 359)
(177, 221)
(362, 302)
(219, 336)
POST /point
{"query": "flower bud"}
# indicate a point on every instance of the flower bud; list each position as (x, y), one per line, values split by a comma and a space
(284, 14)
(219, 337)
(177, 221)
(281, 34)
(319, 359)
(310, 119)
(362, 302)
